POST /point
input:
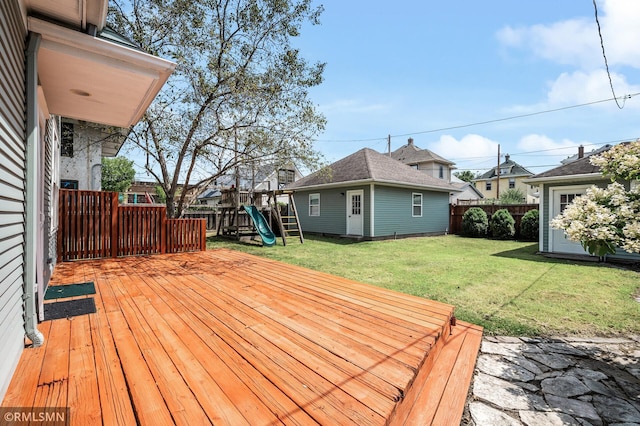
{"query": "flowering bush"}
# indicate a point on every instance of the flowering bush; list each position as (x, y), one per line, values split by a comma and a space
(622, 162)
(604, 219)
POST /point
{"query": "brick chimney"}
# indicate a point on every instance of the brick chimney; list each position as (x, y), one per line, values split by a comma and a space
(580, 151)
(410, 141)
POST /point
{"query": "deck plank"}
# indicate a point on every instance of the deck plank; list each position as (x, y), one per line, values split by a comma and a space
(83, 382)
(146, 397)
(115, 403)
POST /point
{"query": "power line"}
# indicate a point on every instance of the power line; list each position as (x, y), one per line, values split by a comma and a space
(479, 123)
(604, 55)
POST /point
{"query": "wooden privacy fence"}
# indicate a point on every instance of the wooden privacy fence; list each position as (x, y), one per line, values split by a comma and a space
(93, 225)
(516, 210)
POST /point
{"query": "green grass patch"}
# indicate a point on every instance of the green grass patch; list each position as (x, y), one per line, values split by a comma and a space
(502, 285)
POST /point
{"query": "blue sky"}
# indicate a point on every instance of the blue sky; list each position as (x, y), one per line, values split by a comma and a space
(410, 67)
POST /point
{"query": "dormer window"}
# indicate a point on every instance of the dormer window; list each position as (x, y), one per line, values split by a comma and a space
(441, 173)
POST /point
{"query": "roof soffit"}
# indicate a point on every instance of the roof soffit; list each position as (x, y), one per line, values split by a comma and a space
(91, 79)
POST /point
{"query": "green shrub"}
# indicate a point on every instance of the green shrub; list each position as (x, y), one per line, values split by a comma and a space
(475, 222)
(502, 225)
(530, 225)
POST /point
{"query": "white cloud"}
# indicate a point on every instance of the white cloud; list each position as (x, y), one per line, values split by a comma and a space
(537, 143)
(567, 42)
(581, 87)
(470, 147)
(576, 42)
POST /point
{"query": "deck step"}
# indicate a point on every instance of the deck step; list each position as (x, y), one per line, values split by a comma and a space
(441, 396)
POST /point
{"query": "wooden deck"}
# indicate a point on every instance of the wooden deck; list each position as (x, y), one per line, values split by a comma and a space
(228, 338)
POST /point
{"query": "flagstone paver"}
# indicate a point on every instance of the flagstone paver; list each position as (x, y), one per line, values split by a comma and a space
(561, 381)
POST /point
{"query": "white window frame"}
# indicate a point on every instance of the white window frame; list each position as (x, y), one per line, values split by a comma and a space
(414, 205)
(312, 197)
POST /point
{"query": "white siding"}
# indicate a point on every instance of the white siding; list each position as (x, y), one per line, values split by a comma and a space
(12, 188)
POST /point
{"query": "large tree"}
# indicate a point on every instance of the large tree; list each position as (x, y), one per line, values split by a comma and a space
(117, 174)
(239, 94)
(465, 175)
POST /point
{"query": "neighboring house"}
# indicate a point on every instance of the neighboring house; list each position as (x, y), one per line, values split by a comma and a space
(140, 193)
(509, 175)
(278, 179)
(210, 197)
(468, 192)
(558, 188)
(268, 177)
(82, 146)
(424, 160)
(372, 196)
(54, 62)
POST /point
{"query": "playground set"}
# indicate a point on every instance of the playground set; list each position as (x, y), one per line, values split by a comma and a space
(253, 213)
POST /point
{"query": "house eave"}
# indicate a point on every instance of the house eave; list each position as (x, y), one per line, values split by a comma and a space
(91, 79)
(374, 181)
(587, 177)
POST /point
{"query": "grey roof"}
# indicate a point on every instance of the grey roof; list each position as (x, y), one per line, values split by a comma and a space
(581, 166)
(463, 185)
(210, 193)
(411, 154)
(368, 165)
(513, 169)
(574, 157)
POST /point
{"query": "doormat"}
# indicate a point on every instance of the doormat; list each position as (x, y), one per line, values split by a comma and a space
(71, 290)
(69, 308)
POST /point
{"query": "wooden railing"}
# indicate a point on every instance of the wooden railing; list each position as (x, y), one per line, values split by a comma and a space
(93, 225)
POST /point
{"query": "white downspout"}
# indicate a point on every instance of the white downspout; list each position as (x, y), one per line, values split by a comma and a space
(31, 198)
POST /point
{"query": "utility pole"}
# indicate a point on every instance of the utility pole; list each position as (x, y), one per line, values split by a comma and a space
(498, 174)
(389, 144)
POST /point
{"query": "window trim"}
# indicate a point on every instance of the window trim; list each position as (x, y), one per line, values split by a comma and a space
(441, 172)
(487, 185)
(512, 183)
(69, 184)
(414, 205)
(315, 195)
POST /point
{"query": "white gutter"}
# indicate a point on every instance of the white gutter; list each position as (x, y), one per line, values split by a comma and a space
(31, 197)
(364, 182)
(565, 178)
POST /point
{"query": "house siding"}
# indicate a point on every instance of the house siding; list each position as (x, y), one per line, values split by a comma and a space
(333, 211)
(12, 188)
(393, 212)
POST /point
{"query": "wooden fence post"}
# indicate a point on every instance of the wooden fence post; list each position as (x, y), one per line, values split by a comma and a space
(114, 225)
(163, 232)
(203, 235)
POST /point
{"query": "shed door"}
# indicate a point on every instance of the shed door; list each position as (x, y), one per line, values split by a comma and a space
(355, 218)
(561, 198)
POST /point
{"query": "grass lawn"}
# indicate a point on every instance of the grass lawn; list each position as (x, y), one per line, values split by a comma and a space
(501, 285)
